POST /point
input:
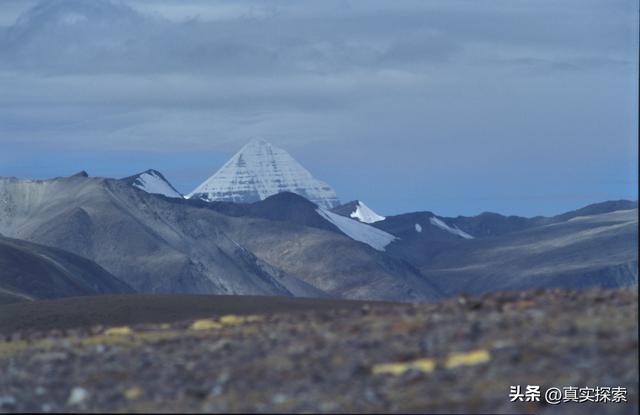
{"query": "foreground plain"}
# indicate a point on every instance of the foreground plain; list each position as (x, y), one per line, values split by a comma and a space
(461, 354)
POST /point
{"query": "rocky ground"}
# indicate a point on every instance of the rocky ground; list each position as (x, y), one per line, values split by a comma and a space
(459, 355)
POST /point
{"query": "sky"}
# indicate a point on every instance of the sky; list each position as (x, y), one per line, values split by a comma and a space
(524, 107)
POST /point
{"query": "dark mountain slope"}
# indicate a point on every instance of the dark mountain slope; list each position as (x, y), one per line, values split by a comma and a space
(29, 271)
(282, 207)
(489, 224)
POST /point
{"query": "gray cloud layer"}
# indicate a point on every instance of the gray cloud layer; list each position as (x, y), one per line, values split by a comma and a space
(440, 99)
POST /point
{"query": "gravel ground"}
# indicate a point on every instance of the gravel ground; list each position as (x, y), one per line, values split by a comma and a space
(459, 355)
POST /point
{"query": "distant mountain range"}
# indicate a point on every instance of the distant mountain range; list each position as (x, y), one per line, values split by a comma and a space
(82, 235)
(584, 251)
(592, 246)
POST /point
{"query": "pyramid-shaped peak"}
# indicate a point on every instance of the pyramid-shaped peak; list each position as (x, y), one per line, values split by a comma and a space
(260, 170)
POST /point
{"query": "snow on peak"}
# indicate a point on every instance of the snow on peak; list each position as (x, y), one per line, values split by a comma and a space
(440, 224)
(260, 170)
(418, 228)
(364, 214)
(358, 231)
(152, 181)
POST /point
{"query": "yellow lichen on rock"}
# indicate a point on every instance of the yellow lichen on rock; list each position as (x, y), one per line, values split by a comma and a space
(232, 319)
(133, 393)
(118, 331)
(426, 365)
(227, 320)
(253, 319)
(205, 324)
(398, 368)
(474, 357)
(8, 349)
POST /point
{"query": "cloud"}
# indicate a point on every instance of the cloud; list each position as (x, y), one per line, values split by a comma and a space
(431, 97)
(75, 36)
(277, 38)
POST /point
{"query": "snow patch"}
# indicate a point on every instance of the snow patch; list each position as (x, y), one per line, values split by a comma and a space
(440, 224)
(151, 182)
(418, 228)
(364, 214)
(358, 231)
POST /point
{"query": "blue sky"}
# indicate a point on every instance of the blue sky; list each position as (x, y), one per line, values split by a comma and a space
(458, 106)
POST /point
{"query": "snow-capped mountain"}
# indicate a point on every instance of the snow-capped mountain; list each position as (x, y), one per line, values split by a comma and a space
(359, 211)
(260, 170)
(152, 181)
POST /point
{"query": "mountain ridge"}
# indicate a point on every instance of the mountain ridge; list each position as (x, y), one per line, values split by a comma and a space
(289, 246)
(160, 244)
